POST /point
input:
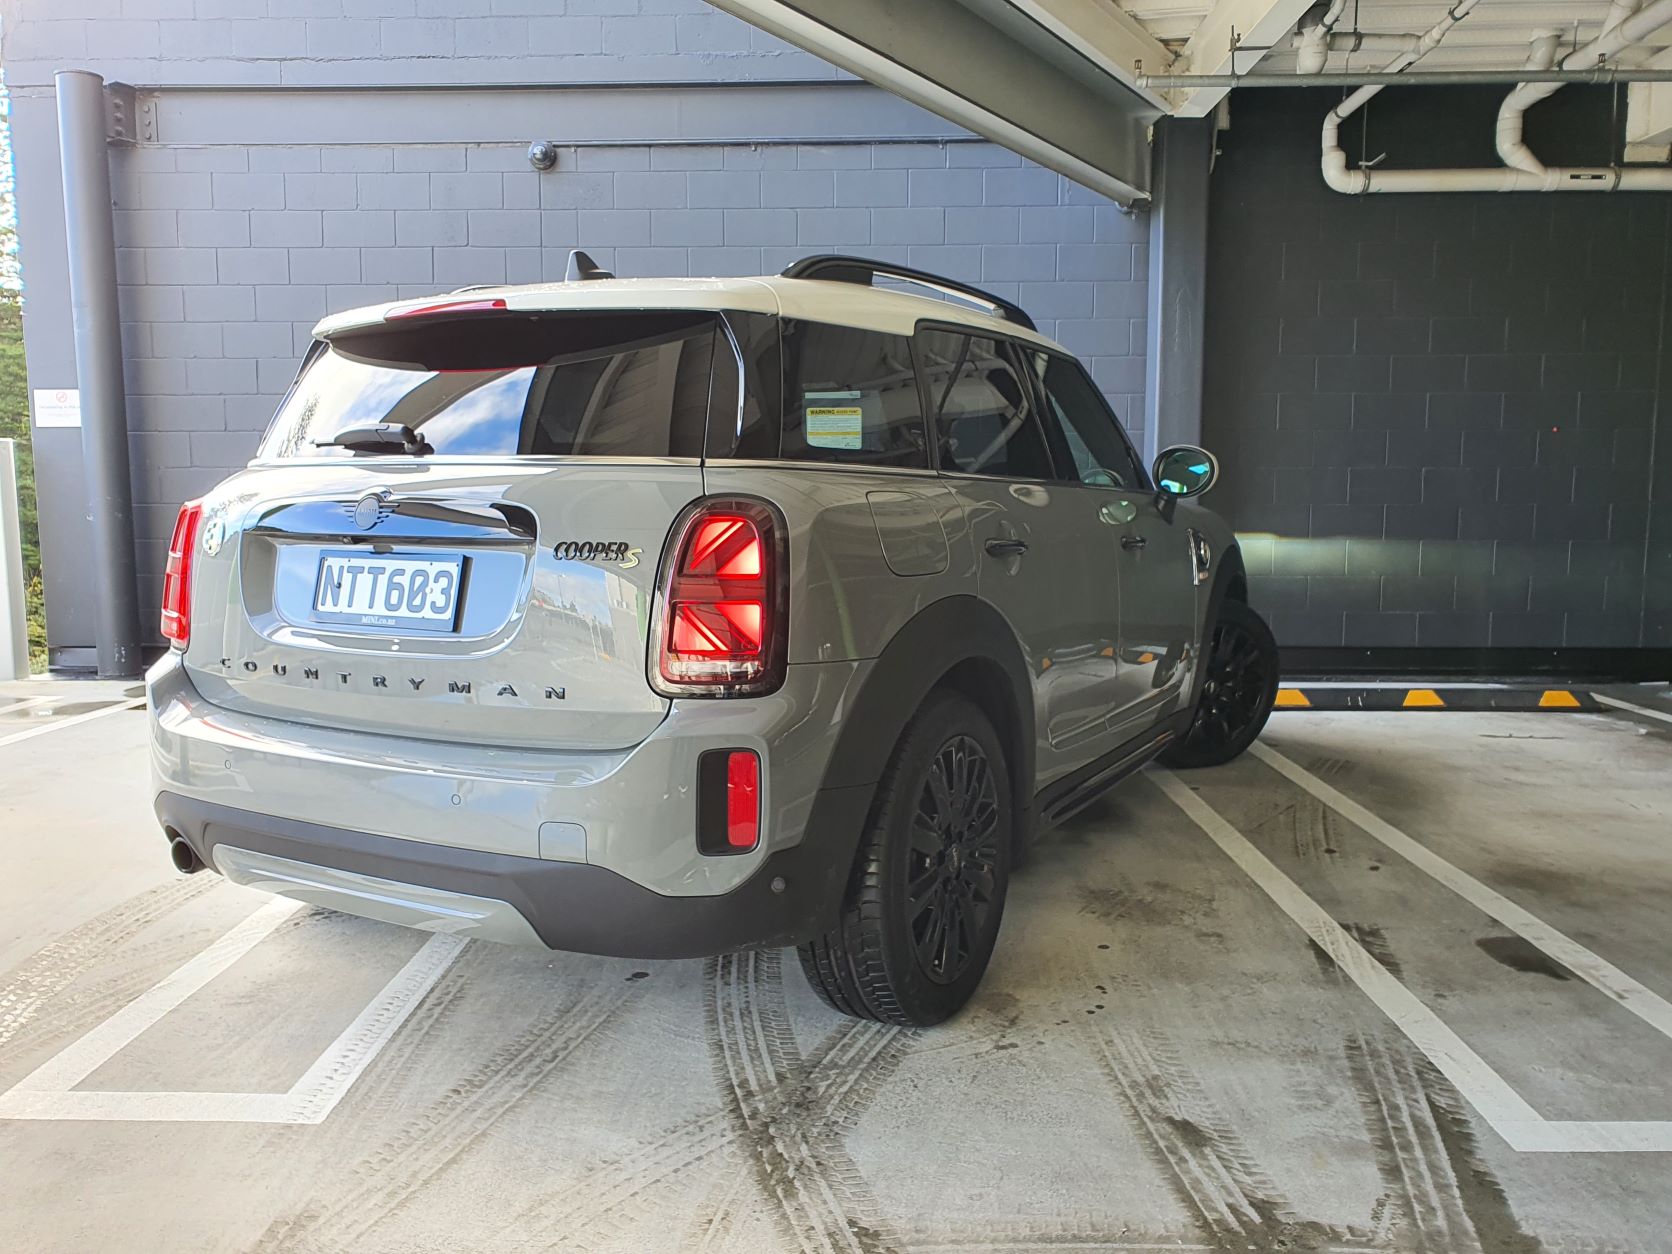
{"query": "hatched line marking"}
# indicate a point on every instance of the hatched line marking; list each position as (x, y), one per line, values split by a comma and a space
(72, 721)
(49, 1091)
(1509, 1114)
(1644, 710)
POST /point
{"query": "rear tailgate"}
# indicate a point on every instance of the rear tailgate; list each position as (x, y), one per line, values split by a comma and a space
(495, 587)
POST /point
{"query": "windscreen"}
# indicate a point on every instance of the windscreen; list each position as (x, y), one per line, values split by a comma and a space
(567, 384)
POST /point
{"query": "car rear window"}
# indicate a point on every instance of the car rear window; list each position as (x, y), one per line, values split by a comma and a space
(851, 395)
(506, 385)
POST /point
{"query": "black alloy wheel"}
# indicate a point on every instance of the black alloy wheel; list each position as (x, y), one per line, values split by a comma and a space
(1239, 686)
(952, 863)
(925, 900)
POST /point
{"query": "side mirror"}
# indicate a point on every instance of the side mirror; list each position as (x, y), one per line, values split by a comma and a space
(1184, 470)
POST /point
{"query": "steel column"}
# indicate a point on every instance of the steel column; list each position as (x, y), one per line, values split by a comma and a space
(98, 358)
(1180, 162)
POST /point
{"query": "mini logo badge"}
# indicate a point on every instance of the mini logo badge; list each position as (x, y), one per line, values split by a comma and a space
(214, 534)
(366, 511)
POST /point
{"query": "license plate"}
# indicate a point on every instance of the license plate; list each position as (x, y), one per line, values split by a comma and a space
(389, 591)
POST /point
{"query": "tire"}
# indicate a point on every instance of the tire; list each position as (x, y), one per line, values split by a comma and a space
(1237, 693)
(882, 960)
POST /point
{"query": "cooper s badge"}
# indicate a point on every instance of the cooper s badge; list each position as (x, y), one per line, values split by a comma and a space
(620, 552)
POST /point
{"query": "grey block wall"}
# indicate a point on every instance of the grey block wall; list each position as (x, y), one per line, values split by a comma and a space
(229, 251)
(229, 256)
(1437, 412)
(312, 42)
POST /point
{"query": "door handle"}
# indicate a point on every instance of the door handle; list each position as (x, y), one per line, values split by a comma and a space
(1130, 543)
(999, 547)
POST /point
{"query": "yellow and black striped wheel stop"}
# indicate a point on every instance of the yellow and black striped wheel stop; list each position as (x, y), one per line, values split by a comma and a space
(1548, 700)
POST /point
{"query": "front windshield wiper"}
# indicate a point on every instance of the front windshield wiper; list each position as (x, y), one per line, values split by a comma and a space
(382, 437)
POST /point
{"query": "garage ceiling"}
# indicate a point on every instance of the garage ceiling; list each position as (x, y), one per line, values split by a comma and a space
(1058, 80)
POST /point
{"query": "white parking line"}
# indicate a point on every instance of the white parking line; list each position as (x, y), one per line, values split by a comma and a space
(16, 704)
(1509, 1114)
(1644, 710)
(60, 724)
(49, 1091)
(1592, 968)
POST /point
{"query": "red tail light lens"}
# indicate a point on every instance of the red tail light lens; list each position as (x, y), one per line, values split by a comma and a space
(724, 601)
(728, 801)
(743, 799)
(177, 576)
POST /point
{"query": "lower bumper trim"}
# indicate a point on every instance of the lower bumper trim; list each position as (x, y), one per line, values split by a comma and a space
(793, 896)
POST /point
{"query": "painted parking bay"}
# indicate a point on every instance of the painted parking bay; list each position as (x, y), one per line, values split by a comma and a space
(1161, 1055)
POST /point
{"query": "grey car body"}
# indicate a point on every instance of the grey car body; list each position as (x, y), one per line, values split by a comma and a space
(520, 776)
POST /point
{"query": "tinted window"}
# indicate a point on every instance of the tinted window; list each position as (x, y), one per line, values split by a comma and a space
(984, 416)
(1095, 449)
(610, 385)
(851, 396)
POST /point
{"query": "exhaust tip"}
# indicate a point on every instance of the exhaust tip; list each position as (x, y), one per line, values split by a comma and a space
(184, 857)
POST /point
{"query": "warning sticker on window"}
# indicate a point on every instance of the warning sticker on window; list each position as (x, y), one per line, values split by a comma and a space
(834, 419)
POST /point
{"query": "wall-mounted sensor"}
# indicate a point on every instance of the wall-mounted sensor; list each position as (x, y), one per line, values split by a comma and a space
(542, 154)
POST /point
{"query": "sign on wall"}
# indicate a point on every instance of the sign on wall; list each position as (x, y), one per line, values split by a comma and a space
(57, 407)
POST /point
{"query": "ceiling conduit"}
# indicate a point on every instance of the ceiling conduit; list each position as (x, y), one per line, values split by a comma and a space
(1523, 172)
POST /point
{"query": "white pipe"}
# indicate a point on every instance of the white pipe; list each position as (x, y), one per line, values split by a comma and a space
(1349, 41)
(1624, 26)
(1314, 41)
(1512, 149)
(1335, 169)
(1618, 36)
(1618, 12)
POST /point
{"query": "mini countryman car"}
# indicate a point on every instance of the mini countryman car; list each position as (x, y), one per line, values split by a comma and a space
(665, 618)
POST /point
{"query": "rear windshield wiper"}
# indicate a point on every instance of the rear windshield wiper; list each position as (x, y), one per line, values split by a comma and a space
(382, 437)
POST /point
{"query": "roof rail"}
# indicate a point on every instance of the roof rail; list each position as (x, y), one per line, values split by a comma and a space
(840, 269)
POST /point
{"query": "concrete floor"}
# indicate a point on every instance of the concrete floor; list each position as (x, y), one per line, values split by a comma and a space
(1266, 1029)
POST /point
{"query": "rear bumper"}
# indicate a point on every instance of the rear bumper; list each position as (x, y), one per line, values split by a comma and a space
(629, 811)
(792, 896)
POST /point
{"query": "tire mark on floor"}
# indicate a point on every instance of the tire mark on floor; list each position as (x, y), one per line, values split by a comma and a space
(1317, 833)
(838, 1080)
(1375, 943)
(386, 1179)
(821, 1200)
(1212, 1173)
(50, 970)
(1427, 1154)
(130, 970)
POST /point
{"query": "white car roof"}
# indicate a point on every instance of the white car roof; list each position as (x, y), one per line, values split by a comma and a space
(816, 300)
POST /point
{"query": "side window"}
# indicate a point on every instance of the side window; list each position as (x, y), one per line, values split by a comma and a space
(982, 408)
(1075, 414)
(851, 396)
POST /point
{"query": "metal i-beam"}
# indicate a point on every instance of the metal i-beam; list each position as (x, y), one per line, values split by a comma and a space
(989, 66)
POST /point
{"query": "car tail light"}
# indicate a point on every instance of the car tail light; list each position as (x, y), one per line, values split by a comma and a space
(177, 576)
(728, 801)
(721, 628)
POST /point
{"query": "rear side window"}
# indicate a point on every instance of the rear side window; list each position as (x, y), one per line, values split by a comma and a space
(851, 396)
(983, 410)
(590, 385)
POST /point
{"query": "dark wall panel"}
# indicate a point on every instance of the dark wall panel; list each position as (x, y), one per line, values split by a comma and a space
(1436, 413)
